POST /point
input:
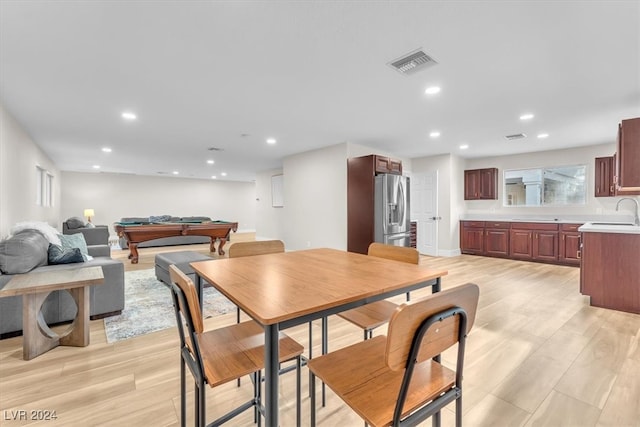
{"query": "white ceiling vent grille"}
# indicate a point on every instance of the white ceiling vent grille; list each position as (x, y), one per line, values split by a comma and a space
(412, 62)
(516, 136)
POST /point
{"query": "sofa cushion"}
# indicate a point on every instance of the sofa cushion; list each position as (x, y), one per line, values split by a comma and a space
(60, 255)
(23, 252)
(75, 222)
(77, 240)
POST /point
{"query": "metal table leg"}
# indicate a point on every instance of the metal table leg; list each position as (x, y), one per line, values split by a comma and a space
(271, 365)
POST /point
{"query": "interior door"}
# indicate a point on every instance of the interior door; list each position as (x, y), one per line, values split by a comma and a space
(424, 210)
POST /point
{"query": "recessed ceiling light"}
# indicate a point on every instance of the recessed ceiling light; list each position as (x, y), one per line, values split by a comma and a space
(106, 149)
(210, 162)
(213, 177)
(543, 135)
(434, 134)
(128, 115)
(175, 172)
(223, 173)
(96, 166)
(432, 90)
(527, 116)
(464, 146)
(271, 140)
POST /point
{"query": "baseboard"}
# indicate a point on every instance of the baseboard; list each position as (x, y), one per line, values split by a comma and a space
(449, 253)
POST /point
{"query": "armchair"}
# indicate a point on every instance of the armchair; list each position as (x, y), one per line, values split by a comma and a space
(97, 236)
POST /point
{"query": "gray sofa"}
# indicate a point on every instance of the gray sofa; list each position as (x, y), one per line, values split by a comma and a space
(105, 299)
(97, 235)
(167, 241)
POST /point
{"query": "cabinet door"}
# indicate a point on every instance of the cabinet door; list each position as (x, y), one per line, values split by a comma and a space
(488, 189)
(628, 157)
(472, 241)
(569, 248)
(496, 242)
(471, 184)
(520, 245)
(387, 165)
(545, 245)
(604, 177)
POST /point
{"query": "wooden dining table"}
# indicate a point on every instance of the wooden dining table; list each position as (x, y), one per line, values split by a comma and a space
(291, 288)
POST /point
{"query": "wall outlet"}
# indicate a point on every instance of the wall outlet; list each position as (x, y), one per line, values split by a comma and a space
(308, 244)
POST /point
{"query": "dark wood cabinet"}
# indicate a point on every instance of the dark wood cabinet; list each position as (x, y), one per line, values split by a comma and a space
(481, 184)
(472, 237)
(627, 173)
(534, 241)
(545, 246)
(387, 165)
(604, 173)
(520, 244)
(569, 244)
(496, 239)
(609, 270)
(361, 173)
(528, 241)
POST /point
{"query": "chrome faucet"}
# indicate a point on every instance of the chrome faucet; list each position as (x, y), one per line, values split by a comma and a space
(636, 220)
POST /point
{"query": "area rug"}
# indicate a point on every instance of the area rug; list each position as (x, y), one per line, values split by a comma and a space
(148, 307)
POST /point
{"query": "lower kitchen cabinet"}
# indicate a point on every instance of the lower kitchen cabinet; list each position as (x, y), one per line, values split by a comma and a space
(529, 241)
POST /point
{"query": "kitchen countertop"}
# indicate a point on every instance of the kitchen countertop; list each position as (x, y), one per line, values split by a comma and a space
(611, 227)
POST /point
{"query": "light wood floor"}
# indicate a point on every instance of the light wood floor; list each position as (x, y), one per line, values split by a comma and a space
(539, 355)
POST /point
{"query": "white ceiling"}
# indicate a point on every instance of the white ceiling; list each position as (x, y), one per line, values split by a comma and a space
(202, 74)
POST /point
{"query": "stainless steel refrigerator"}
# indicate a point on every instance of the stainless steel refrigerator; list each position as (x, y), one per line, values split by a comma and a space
(391, 214)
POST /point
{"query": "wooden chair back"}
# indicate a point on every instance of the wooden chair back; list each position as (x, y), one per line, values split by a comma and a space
(408, 317)
(191, 297)
(259, 247)
(396, 253)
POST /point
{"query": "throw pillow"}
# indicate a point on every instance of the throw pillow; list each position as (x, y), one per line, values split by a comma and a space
(23, 252)
(59, 255)
(76, 241)
(75, 222)
(47, 231)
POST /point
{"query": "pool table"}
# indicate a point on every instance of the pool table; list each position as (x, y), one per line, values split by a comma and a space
(135, 233)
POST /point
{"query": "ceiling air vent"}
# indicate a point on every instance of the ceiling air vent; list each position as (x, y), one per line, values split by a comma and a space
(412, 62)
(516, 136)
(215, 149)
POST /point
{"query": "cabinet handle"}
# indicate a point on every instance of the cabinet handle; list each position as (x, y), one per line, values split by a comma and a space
(579, 254)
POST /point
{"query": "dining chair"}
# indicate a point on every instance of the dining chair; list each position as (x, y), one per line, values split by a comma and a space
(397, 380)
(373, 315)
(258, 247)
(218, 356)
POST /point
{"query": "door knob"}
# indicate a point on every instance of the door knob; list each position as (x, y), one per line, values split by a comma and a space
(436, 218)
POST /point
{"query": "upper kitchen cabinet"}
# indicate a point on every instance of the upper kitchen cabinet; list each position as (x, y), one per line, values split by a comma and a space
(628, 158)
(387, 165)
(481, 184)
(604, 186)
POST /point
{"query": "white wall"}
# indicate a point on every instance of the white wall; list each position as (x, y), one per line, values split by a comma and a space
(449, 168)
(19, 156)
(269, 220)
(451, 189)
(574, 156)
(114, 196)
(315, 197)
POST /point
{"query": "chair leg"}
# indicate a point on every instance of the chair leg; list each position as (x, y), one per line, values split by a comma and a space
(325, 350)
(435, 420)
(256, 384)
(183, 395)
(459, 411)
(298, 391)
(310, 351)
(408, 296)
(312, 385)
